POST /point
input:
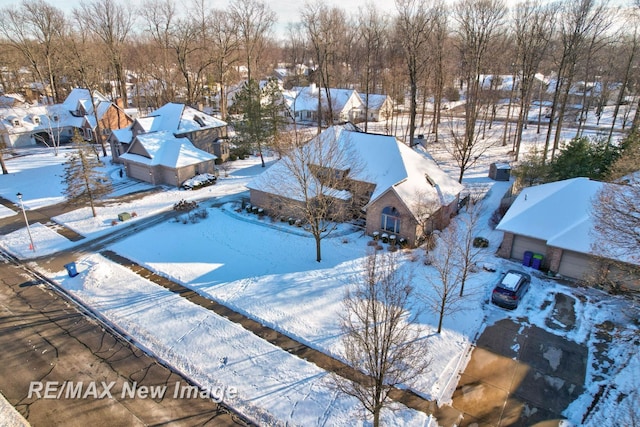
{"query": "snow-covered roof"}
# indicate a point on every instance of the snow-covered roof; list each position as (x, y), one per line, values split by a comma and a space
(179, 118)
(375, 101)
(557, 212)
(381, 160)
(306, 98)
(62, 113)
(80, 96)
(167, 150)
(124, 135)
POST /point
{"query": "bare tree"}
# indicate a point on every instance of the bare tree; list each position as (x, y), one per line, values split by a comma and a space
(534, 24)
(85, 59)
(254, 20)
(311, 181)
(373, 34)
(444, 297)
(34, 29)
(413, 28)
(440, 38)
(112, 24)
(465, 151)
(631, 39)
(224, 45)
(325, 28)
(470, 253)
(616, 215)
(478, 25)
(582, 24)
(380, 333)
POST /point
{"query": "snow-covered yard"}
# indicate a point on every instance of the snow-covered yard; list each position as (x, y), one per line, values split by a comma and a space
(267, 270)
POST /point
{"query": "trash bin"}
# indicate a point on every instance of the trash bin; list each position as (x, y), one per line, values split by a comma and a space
(536, 261)
(526, 259)
(71, 269)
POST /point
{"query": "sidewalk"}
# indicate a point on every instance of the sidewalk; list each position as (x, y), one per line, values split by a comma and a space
(45, 214)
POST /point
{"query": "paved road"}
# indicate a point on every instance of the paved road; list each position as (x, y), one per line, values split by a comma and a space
(44, 338)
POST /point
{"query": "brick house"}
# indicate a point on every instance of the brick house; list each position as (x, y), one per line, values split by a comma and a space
(397, 190)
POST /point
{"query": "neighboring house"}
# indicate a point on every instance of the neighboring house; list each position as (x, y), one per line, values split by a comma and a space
(204, 131)
(398, 190)
(302, 103)
(380, 107)
(28, 125)
(162, 158)
(554, 220)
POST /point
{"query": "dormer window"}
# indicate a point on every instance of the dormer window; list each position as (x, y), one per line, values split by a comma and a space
(15, 122)
(36, 120)
(55, 118)
(199, 120)
(429, 180)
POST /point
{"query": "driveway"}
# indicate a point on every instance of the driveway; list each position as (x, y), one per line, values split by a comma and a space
(521, 375)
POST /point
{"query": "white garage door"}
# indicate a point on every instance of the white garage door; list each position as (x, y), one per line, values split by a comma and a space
(574, 265)
(522, 244)
(138, 172)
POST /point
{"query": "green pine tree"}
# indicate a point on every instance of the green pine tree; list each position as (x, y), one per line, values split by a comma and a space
(260, 111)
(85, 183)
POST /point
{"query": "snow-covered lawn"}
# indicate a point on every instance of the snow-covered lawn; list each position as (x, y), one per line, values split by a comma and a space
(273, 387)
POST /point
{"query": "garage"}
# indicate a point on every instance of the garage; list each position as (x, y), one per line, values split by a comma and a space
(138, 171)
(521, 244)
(574, 264)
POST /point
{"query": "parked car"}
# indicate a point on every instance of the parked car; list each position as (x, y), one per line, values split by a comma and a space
(510, 289)
(199, 181)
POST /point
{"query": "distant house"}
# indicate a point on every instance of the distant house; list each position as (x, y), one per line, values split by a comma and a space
(380, 107)
(400, 191)
(204, 131)
(302, 103)
(27, 125)
(170, 145)
(554, 220)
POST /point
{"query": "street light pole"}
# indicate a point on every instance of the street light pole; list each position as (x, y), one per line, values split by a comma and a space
(26, 221)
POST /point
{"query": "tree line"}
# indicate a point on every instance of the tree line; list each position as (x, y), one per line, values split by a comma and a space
(424, 54)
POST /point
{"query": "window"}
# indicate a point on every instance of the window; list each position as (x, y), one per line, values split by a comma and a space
(88, 134)
(390, 220)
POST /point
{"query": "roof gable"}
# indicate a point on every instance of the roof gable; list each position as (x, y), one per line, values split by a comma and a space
(165, 149)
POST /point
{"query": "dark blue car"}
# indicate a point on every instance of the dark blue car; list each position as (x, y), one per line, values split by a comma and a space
(510, 289)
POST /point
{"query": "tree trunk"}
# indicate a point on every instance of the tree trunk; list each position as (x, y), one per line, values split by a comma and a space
(3, 165)
(318, 247)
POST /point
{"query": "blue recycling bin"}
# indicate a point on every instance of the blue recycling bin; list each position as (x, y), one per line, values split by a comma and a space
(71, 269)
(527, 258)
